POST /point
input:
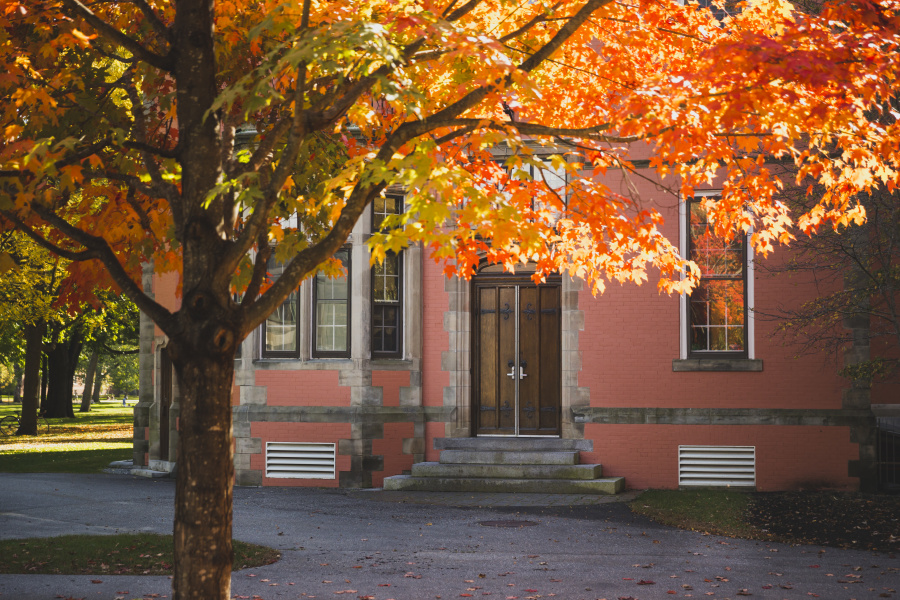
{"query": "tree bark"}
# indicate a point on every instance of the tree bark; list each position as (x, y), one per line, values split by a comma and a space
(62, 362)
(34, 338)
(17, 374)
(89, 381)
(98, 383)
(205, 478)
(203, 343)
(45, 376)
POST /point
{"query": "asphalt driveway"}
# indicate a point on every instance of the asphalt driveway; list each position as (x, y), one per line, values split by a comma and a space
(381, 545)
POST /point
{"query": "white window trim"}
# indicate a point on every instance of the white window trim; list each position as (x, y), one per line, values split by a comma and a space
(683, 301)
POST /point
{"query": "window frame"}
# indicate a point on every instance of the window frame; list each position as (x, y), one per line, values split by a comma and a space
(375, 305)
(744, 278)
(398, 304)
(291, 354)
(314, 328)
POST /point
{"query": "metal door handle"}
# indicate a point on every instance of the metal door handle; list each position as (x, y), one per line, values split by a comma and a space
(522, 366)
(512, 370)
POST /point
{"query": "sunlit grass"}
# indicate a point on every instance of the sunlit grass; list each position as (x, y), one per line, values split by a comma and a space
(85, 444)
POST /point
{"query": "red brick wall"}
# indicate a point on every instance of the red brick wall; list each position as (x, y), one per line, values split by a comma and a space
(787, 457)
(328, 433)
(303, 388)
(390, 382)
(391, 447)
(167, 290)
(631, 335)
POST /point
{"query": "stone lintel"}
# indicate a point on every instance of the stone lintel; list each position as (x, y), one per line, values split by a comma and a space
(683, 365)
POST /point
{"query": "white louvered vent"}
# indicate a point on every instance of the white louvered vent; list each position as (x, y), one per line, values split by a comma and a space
(717, 465)
(300, 460)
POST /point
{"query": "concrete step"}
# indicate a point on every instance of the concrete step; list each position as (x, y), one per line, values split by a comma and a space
(513, 444)
(433, 469)
(499, 457)
(609, 485)
(141, 472)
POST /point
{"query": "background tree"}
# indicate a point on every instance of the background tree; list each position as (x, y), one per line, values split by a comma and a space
(26, 305)
(12, 355)
(857, 276)
(114, 339)
(119, 147)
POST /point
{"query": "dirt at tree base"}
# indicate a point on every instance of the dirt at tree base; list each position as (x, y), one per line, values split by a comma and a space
(836, 519)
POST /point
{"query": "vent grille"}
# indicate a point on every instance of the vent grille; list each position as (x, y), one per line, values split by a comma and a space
(300, 460)
(717, 465)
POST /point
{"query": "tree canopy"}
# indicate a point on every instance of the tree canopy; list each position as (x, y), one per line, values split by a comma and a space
(124, 125)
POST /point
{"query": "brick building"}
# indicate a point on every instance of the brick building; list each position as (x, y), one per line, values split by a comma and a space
(356, 380)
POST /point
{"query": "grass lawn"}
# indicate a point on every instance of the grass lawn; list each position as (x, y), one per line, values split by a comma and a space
(840, 519)
(85, 444)
(122, 554)
(719, 512)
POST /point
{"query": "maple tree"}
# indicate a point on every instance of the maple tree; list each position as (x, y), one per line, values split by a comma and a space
(121, 130)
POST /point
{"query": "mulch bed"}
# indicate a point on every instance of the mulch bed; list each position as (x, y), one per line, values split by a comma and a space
(837, 519)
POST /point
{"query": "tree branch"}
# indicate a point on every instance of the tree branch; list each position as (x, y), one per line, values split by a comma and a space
(149, 148)
(115, 352)
(539, 18)
(155, 22)
(259, 270)
(47, 244)
(164, 63)
(462, 10)
(98, 249)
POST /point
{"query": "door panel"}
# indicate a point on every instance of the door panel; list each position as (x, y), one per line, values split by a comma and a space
(516, 372)
(550, 317)
(487, 414)
(506, 313)
(529, 361)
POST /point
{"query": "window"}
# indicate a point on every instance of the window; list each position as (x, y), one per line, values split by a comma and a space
(280, 330)
(387, 288)
(717, 308)
(331, 312)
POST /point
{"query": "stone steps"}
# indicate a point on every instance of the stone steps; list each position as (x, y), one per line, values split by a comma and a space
(511, 465)
(506, 471)
(499, 457)
(611, 485)
(514, 444)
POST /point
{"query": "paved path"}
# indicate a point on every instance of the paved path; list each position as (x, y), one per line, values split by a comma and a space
(347, 545)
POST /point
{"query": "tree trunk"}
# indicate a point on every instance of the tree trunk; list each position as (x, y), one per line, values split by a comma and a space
(205, 477)
(62, 361)
(89, 382)
(34, 338)
(45, 376)
(98, 383)
(17, 375)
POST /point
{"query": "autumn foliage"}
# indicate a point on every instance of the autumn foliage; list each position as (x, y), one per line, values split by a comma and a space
(199, 134)
(712, 99)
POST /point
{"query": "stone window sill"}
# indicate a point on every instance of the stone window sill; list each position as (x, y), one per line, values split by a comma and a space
(736, 365)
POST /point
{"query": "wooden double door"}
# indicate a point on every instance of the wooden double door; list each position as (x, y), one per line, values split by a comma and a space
(516, 358)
